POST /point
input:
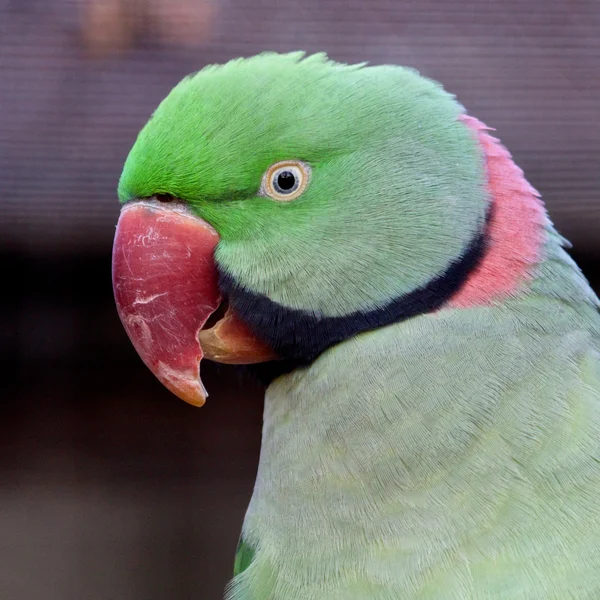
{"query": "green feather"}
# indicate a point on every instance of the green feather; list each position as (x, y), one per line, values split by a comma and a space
(452, 456)
(370, 134)
(243, 557)
(449, 457)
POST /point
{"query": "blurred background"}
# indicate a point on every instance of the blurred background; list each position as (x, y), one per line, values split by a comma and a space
(109, 487)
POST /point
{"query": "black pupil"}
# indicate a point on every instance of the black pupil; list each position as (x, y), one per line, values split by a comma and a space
(286, 180)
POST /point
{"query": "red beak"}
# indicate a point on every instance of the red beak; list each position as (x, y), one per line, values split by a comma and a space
(165, 285)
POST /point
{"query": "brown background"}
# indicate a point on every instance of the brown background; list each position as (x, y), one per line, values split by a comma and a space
(110, 488)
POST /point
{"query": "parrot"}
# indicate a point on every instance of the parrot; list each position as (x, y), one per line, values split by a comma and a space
(431, 430)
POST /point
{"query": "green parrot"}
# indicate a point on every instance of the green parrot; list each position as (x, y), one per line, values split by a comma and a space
(433, 431)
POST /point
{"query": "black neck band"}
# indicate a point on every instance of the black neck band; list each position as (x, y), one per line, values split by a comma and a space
(300, 336)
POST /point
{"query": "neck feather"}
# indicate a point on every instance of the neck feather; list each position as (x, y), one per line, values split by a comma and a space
(515, 230)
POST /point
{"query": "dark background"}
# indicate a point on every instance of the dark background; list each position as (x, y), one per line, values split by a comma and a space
(109, 487)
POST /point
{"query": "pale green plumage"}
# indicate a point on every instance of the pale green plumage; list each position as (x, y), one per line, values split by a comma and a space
(453, 456)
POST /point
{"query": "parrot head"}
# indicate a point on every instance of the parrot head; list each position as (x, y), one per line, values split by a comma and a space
(277, 205)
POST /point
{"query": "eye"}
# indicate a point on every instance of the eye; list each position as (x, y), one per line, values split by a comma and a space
(285, 180)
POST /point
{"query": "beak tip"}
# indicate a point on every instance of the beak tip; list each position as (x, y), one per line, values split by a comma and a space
(196, 401)
(186, 386)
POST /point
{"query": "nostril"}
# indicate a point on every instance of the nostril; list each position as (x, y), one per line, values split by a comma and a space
(164, 197)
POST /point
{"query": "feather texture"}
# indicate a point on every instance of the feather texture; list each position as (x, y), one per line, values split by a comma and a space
(452, 455)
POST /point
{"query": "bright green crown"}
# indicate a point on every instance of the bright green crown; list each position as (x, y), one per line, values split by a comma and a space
(397, 189)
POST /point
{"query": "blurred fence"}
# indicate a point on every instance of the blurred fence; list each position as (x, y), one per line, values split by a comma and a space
(78, 78)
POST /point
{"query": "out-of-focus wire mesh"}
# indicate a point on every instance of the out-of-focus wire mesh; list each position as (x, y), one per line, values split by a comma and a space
(109, 487)
(79, 78)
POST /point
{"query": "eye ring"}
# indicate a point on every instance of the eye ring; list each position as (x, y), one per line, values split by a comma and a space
(284, 181)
